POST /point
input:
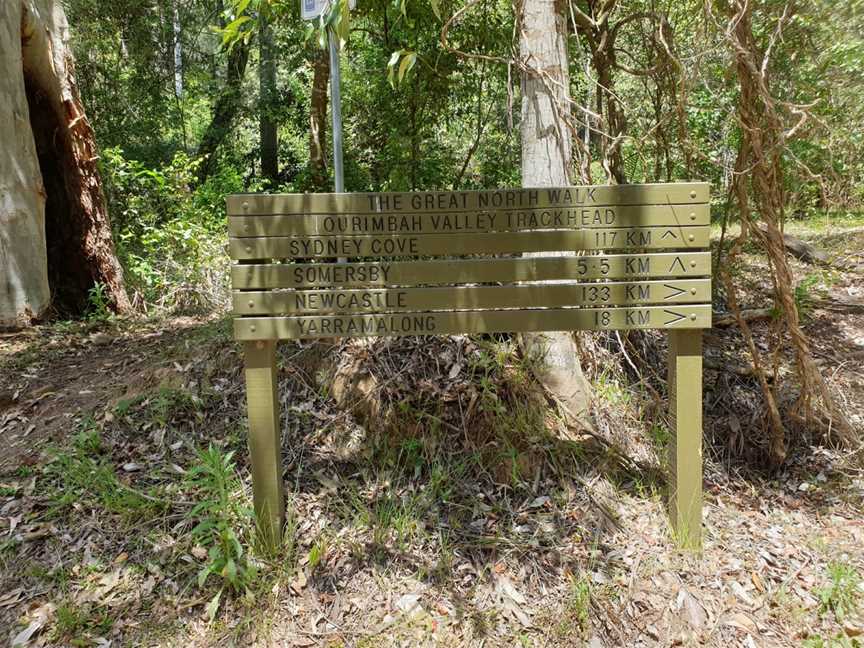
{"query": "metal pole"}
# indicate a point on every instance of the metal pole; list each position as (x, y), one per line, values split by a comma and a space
(336, 109)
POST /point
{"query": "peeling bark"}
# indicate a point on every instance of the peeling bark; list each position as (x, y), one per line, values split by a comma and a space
(55, 236)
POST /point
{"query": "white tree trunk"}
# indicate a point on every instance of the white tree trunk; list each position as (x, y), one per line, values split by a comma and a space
(24, 292)
(41, 118)
(546, 161)
(178, 52)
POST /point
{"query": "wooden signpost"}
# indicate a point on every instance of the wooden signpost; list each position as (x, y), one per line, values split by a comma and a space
(439, 263)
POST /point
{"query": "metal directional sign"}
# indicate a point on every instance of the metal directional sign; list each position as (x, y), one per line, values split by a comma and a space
(556, 295)
(433, 263)
(481, 321)
(389, 245)
(452, 222)
(679, 195)
(308, 255)
(606, 266)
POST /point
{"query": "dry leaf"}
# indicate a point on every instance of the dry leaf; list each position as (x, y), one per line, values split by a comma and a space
(539, 502)
(512, 600)
(13, 523)
(409, 604)
(40, 617)
(329, 484)
(693, 610)
(758, 582)
(742, 622)
(299, 581)
(741, 593)
(853, 629)
(23, 637)
(10, 599)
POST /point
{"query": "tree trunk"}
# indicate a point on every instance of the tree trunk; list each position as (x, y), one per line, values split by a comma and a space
(226, 109)
(546, 161)
(267, 93)
(178, 51)
(178, 70)
(55, 236)
(318, 121)
(600, 36)
(603, 58)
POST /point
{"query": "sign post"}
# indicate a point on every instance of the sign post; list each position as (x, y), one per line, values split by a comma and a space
(310, 10)
(336, 110)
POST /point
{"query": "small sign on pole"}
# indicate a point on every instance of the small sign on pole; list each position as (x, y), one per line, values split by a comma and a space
(311, 9)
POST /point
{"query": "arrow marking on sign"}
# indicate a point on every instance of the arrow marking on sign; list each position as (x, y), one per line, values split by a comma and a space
(673, 295)
(668, 233)
(679, 262)
(678, 317)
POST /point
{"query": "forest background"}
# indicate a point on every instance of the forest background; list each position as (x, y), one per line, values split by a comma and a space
(182, 120)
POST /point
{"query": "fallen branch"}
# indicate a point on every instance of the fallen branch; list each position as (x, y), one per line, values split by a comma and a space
(738, 370)
(749, 315)
(800, 249)
(843, 307)
(726, 320)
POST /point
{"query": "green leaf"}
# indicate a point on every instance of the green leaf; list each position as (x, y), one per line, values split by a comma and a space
(213, 606)
(235, 25)
(229, 572)
(203, 574)
(407, 63)
(309, 32)
(343, 28)
(391, 67)
(436, 7)
(204, 525)
(241, 6)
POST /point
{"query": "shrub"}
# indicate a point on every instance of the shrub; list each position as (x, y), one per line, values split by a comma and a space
(170, 237)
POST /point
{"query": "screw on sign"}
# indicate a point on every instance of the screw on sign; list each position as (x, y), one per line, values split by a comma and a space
(441, 263)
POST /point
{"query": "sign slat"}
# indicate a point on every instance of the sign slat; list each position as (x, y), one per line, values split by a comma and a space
(651, 317)
(290, 302)
(278, 247)
(496, 220)
(472, 271)
(677, 193)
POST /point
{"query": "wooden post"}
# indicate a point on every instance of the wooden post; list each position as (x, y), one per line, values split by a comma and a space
(265, 438)
(685, 450)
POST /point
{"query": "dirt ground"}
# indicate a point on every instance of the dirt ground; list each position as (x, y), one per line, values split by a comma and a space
(453, 509)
